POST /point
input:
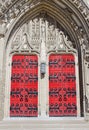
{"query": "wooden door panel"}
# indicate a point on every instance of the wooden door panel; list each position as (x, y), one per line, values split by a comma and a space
(62, 85)
(24, 86)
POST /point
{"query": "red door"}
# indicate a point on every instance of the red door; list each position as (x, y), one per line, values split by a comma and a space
(62, 85)
(24, 86)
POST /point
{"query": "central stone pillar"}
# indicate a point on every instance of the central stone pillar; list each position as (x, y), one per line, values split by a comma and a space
(43, 96)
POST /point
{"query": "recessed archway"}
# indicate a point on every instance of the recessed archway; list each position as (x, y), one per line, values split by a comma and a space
(53, 10)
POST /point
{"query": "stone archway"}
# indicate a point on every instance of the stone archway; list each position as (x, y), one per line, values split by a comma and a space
(42, 35)
(76, 27)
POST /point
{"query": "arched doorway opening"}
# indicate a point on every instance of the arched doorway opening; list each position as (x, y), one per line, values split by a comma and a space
(57, 76)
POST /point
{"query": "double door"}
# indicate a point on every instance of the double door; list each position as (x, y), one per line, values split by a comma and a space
(24, 95)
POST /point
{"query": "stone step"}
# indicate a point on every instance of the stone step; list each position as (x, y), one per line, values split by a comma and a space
(40, 124)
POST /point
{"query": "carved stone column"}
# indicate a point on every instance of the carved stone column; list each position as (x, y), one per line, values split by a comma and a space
(85, 69)
(86, 64)
(2, 32)
(1, 77)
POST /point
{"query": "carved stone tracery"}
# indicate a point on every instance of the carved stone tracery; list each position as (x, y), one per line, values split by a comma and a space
(37, 32)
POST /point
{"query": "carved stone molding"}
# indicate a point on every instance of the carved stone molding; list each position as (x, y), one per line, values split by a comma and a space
(82, 7)
(86, 80)
(15, 7)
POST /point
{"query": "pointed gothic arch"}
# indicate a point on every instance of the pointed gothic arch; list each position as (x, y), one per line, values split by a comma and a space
(73, 23)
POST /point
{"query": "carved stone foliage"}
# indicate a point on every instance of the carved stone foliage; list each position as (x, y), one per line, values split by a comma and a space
(16, 7)
(82, 7)
(10, 9)
(39, 34)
